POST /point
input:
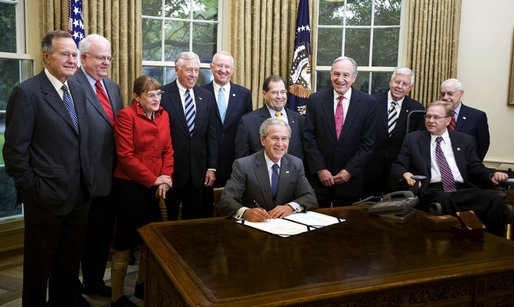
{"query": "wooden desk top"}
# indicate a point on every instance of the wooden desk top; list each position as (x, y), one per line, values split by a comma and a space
(217, 261)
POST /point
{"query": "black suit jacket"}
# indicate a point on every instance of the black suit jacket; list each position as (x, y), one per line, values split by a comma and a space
(248, 138)
(101, 142)
(353, 149)
(193, 154)
(250, 182)
(387, 148)
(43, 153)
(239, 103)
(414, 157)
(474, 122)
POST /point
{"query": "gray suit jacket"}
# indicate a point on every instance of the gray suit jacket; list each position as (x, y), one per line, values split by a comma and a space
(47, 159)
(101, 142)
(250, 182)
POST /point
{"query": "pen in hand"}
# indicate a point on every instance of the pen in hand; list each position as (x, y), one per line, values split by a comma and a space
(257, 205)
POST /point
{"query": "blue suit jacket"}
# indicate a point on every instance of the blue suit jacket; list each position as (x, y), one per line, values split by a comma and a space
(193, 154)
(474, 122)
(248, 138)
(239, 103)
(354, 147)
(46, 157)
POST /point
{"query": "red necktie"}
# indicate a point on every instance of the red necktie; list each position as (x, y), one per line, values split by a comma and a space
(102, 97)
(339, 116)
(444, 168)
(451, 126)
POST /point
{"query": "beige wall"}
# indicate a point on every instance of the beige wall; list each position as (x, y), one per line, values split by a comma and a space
(483, 67)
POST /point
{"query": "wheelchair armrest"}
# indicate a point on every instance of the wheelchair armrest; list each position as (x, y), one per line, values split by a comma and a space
(509, 211)
(435, 208)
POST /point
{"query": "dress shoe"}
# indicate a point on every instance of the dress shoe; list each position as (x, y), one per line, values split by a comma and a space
(123, 302)
(102, 290)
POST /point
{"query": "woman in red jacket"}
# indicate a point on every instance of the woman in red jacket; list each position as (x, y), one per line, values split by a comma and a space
(144, 168)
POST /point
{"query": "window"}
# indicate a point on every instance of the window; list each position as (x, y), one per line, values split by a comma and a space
(367, 31)
(173, 26)
(15, 66)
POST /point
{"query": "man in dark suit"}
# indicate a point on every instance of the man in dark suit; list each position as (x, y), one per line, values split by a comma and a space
(339, 136)
(466, 119)
(235, 102)
(449, 161)
(103, 101)
(193, 136)
(275, 95)
(392, 110)
(46, 153)
(269, 183)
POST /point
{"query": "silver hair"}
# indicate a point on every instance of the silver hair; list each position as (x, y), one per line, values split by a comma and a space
(186, 55)
(458, 84)
(265, 126)
(345, 58)
(223, 53)
(85, 44)
(404, 71)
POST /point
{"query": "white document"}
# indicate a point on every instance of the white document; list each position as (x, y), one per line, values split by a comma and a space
(279, 227)
(314, 219)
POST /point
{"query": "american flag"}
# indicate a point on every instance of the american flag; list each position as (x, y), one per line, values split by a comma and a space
(75, 21)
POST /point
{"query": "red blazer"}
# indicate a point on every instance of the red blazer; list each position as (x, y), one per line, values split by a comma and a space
(143, 146)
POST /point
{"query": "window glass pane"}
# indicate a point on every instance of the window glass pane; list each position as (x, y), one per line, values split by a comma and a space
(385, 47)
(329, 45)
(7, 196)
(152, 7)
(156, 72)
(12, 72)
(2, 138)
(152, 40)
(323, 80)
(177, 8)
(205, 36)
(205, 9)
(204, 76)
(170, 75)
(357, 45)
(362, 81)
(177, 39)
(331, 13)
(358, 12)
(7, 27)
(380, 82)
(387, 12)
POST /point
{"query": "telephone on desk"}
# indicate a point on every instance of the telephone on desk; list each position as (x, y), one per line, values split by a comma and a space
(399, 204)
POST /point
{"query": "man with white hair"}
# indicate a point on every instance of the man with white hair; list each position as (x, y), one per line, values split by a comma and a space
(466, 119)
(393, 109)
(193, 136)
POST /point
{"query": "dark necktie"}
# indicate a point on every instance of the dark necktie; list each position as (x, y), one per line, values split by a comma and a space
(274, 181)
(451, 126)
(391, 120)
(104, 100)
(339, 116)
(68, 103)
(444, 168)
(190, 112)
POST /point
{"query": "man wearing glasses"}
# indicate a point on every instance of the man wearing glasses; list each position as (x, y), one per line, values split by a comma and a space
(103, 101)
(449, 161)
(275, 96)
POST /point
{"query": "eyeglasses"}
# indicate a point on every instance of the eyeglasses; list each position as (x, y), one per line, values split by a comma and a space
(435, 117)
(101, 58)
(154, 94)
(275, 93)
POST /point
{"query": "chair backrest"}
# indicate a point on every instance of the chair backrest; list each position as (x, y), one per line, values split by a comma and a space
(413, 115)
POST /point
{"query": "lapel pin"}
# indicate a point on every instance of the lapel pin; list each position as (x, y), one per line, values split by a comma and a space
(406, 111)
(458, 148)
(463, 117)
(200, 98)
(287, 172)
(292, 122)
(233, 94)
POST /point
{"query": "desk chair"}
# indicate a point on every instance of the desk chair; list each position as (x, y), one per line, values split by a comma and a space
(217, 196)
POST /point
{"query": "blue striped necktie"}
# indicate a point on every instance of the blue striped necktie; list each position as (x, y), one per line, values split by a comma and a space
(444, 168)
(68, 103)
(190, 112)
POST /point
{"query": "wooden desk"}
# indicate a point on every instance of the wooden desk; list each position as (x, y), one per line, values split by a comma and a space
(363, 261)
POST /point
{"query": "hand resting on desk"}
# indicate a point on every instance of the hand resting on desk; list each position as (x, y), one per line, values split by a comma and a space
(260, 215)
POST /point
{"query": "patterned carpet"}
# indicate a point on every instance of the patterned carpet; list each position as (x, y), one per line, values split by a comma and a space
(11, 272)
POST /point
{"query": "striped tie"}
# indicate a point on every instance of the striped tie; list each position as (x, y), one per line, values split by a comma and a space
(451, 126)
(190, 112)
(444, 168)
(391, 120)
